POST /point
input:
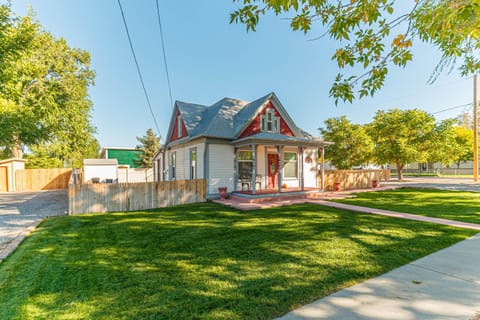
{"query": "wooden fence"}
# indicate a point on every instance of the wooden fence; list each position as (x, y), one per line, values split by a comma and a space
(109, 197)
(41, 179)
(353, 179)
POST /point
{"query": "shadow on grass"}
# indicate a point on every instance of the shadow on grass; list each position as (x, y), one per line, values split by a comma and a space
(204, 261)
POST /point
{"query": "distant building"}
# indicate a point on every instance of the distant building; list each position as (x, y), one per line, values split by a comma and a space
(125, 156)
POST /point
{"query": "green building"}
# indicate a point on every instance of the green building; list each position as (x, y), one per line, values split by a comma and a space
(124, 156)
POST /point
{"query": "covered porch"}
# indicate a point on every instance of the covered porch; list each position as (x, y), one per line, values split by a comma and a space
(274, 164)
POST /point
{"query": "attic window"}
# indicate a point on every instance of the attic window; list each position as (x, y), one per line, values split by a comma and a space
(179, 126)
(270, 123)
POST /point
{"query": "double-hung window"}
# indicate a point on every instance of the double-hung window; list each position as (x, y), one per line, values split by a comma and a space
(173, 165)
(179, 127)
(245, 164)
(193, 163)
(290, 168)
(268, 121)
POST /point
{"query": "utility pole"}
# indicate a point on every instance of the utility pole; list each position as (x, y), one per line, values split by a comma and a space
(475, 130)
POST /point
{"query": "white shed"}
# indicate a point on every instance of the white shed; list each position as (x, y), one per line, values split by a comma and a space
(100, 170)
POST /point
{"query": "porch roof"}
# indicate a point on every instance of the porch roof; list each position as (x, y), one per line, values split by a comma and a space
(266, 138)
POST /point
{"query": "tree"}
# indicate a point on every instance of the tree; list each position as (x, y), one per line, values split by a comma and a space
(43, 91)
(149, 145)
(442, 143)
(352, 145)
(373, 35)
(464, 145)
(402, 136)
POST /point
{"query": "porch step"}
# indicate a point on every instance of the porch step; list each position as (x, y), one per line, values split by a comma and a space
(265, 198)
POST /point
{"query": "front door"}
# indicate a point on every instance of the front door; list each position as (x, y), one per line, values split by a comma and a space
(272, 163)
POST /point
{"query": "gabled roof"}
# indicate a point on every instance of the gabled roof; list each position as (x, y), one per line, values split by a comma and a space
(227, 118)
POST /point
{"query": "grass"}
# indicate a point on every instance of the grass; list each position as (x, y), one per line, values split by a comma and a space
(204, 261)
(453, 205)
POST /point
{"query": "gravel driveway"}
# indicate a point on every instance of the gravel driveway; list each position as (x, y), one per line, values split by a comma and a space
(22, 212)
(455, 184)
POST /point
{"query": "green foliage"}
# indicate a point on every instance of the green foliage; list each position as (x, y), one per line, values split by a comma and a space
(376, 34)
(43, 90)
(405, 136)
(204, 261)
(352, 145)
(464, 145)
(149, 145)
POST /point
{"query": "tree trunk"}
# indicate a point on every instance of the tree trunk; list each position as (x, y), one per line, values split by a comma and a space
(400, 171)
(16, 149)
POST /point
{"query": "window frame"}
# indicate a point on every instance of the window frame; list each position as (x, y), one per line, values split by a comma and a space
(173, 165)
(249, 160)
(269, 122)
(179, 126)
(285, 163)
(193, 164)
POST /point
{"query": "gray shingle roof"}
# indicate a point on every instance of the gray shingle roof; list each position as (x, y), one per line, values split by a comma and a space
(226, 118)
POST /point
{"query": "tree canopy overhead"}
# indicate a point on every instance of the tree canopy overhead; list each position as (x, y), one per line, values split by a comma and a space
(376, 34)
(44, 102)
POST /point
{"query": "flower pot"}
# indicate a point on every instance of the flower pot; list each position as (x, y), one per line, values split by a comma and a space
(223, 193)
(374, 183)
(336, 186)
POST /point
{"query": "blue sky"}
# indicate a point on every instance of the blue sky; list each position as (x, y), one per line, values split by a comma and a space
(210, 59)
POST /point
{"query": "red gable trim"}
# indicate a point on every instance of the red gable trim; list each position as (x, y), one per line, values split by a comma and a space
(175, 129)
(254, 126)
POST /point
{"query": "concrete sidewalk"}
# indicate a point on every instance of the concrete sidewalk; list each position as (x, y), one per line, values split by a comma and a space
(443, 285)
(395, 214)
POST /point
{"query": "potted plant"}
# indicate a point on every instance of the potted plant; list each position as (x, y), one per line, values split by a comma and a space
(223, 193)
(374, 183)
(336, 186)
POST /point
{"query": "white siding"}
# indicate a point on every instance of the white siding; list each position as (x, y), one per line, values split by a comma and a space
(183, 161)
(310, 169)
(220, 167)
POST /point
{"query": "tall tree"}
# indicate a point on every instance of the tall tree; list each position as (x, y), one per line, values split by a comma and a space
(149, 145)
(43, 90)
(464, 145)
(352, 145)
(373, 35)
(402, 136)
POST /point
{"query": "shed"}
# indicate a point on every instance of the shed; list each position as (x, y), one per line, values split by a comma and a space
(7, 173)
(100, 170)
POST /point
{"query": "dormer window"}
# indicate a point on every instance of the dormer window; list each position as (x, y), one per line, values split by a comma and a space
(179, 126)
(270, 123)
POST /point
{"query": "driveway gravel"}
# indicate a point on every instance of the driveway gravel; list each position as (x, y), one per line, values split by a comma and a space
(22, 212)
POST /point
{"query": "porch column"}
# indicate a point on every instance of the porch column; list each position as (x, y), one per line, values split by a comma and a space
(254, 168)
(302, 175)
(235, 169)
(323, 168)
(279, 173)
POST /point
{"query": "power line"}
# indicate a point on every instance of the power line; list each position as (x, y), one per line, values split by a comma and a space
(164, 55)
(453, 108)
(138, 67)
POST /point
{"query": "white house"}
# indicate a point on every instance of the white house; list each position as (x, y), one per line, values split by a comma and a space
(246, 147)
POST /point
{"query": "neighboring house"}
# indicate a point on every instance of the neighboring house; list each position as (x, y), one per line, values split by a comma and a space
(239, 145)
(125, 156)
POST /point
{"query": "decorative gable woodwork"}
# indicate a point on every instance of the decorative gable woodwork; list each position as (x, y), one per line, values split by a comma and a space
(179, 130)
(256, 125)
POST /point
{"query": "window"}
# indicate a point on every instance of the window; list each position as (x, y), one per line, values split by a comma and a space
(269, 123)
(179, 126)
(193, 163)
(290, 167)
(173, 165)
(245, 163)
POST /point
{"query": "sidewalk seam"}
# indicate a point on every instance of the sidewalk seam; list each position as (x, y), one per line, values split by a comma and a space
(445, 274)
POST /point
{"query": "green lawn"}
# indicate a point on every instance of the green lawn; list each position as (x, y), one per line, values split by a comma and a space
(204, 261)
(453, 205)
